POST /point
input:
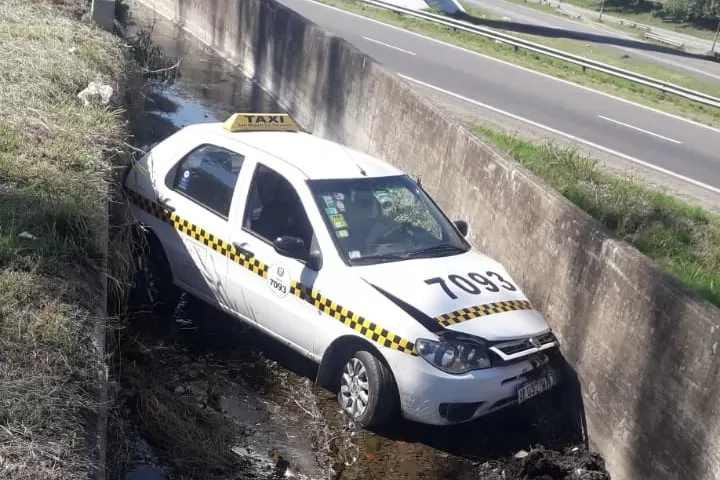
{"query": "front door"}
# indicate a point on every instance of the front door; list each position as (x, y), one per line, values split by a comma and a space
(273, 209)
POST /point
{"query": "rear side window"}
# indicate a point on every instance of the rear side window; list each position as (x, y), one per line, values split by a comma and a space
(207, 176)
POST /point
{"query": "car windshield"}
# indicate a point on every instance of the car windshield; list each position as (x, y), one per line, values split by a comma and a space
(376, 220)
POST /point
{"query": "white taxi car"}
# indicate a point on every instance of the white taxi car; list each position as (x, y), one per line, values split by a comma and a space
(345, 259)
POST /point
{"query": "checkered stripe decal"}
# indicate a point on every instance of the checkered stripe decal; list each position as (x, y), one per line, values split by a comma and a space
(349, 318)
(199, 234)
(465, 314)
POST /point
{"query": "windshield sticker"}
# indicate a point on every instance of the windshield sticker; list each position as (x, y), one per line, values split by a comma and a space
(184, 180)
(278, 278)
(328, 201)
(342, 233)
(331, 210)
(340, 206)
(338, 221)
(339, 196)
(354, 254)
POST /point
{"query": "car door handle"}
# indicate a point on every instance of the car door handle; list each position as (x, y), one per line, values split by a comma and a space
(240, 248)
(165, 205)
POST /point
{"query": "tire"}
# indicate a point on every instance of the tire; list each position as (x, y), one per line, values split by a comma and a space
(364, 372)
(154, 287)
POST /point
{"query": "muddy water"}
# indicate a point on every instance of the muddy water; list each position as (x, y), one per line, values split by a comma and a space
(211, 398)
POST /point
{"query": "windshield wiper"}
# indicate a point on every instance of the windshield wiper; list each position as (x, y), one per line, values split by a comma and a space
(405, 255)
(381, 257)
(445, 247)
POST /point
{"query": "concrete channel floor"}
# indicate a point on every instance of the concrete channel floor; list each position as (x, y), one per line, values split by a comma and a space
(203, 396)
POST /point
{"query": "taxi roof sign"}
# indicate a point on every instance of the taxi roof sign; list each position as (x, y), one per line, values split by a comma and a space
(260, 122)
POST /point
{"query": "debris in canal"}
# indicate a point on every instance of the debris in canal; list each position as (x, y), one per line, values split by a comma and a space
(570, 464)
(210, 405)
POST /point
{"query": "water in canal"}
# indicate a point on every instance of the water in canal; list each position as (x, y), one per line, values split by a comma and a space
(204, 397)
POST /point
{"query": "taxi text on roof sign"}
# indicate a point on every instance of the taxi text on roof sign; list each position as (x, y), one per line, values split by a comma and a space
(258, 122)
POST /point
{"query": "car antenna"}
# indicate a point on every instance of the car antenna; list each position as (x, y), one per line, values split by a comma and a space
(362, 171)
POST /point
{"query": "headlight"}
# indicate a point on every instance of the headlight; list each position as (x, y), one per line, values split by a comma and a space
(453, 356)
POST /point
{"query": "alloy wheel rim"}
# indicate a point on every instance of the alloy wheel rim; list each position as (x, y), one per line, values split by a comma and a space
(354, 388)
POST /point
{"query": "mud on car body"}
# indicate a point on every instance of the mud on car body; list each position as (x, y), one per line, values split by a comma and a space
(345, 259)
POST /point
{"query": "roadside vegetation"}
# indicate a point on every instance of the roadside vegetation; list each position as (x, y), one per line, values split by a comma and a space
(683, 239)
(624, 60)
(698, 18)
(557, 68)
(551, 8)
(56, 158)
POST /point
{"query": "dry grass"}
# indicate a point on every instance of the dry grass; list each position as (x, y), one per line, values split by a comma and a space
(55, 160)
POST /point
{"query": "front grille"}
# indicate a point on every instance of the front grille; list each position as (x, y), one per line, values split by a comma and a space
(516, 347)
(458, 412)
(512, 348)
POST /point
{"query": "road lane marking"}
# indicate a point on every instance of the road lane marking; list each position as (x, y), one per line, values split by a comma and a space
(388, 45)
(612, 33)
(525, 69)
(566, 135)
(627, 125)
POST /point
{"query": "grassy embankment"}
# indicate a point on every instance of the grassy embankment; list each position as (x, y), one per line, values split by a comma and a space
(652, 15)
(558, 68)
(603, 54)
(639, 33)
(622, 14)
(684, 240)
(55, 162)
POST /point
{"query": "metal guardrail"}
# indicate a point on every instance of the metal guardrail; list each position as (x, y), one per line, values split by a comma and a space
(662, 39)
(583, 62)
(565, 13)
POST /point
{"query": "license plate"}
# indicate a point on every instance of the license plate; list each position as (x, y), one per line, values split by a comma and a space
(534, 388)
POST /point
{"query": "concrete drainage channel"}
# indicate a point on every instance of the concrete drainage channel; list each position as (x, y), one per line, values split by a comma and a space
(201, 396)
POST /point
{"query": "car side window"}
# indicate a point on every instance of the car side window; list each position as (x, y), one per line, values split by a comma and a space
(274, 208)
(207, 176)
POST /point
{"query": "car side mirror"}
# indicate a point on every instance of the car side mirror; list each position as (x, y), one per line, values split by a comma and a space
(294, 247)
(462, 227)
(315, 260)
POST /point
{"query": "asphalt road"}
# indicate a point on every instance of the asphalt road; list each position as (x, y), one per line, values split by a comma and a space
(610, 38)
(673, 145)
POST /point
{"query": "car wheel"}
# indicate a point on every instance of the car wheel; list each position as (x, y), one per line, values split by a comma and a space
(154, 286)
(367, 390)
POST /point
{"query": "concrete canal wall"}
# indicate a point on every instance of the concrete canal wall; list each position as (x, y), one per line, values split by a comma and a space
(643, 347)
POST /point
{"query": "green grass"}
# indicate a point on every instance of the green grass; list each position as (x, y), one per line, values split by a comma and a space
(55, 161)
(545, 8)
(622, 60)
(473, 10)
(651, 15)
(684, 240)
(557, 68)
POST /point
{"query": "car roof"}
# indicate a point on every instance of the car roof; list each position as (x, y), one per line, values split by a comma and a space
(315, 157)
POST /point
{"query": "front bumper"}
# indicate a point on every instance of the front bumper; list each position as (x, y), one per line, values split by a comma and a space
(430, 396)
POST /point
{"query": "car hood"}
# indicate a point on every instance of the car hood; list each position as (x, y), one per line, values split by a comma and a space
(469, 293)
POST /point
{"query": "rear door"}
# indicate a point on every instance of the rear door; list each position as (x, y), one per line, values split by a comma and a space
(198, 188)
